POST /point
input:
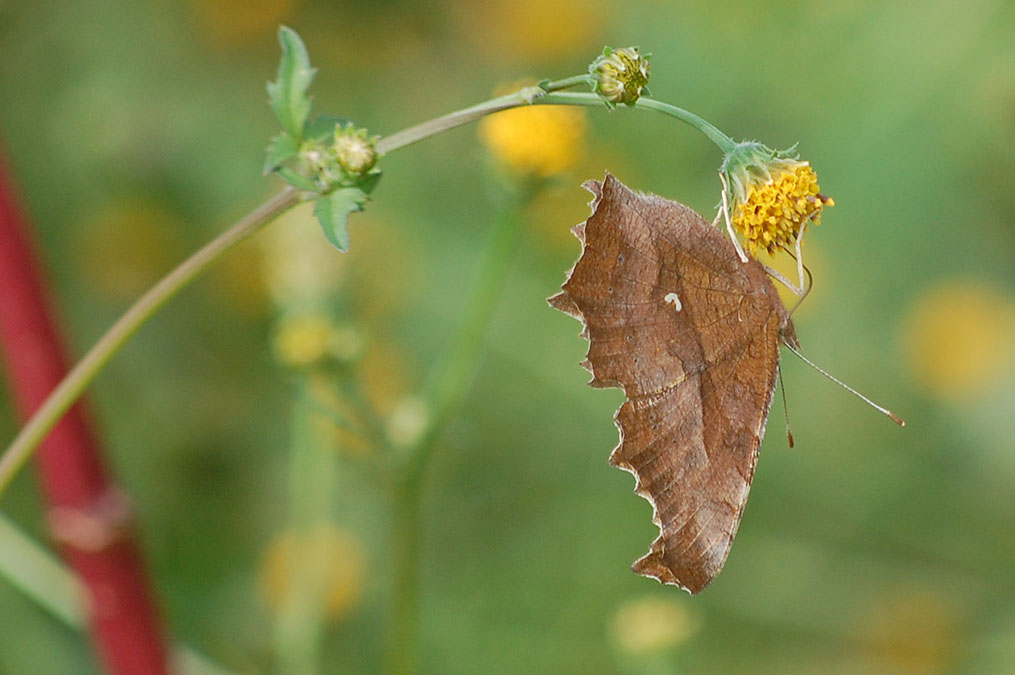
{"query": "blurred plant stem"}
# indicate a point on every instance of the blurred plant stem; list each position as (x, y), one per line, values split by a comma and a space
(56, 589)
(313, 467)
(444, 394)
(87, 513)
(81, 375)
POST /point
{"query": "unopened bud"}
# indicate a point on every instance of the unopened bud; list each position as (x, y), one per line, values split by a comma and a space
(620, 75)
(355, 151)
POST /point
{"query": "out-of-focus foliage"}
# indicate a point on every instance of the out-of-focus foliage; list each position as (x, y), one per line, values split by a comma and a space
(137, 129)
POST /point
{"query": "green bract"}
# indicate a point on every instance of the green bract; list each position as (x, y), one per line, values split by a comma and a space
(325, 157)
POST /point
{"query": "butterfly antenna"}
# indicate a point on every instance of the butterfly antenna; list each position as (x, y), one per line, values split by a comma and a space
(785, 410)
(895, 418)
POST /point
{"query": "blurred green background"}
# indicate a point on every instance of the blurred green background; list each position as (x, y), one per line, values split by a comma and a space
(136, 131)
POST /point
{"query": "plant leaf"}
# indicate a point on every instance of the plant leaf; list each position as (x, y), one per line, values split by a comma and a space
(295, 179)
(368, 182)
(332, 212)
(288, 93)
(322, 127)
(281, 149)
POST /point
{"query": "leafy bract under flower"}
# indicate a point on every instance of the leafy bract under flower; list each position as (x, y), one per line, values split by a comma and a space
(774, 195)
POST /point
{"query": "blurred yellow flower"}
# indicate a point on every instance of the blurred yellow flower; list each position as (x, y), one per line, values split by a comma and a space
(326, 563)
(386, 375)
(535, 140)
(912, 630)
(237, 22)
(652, 624)
(299, 267)
(302, 339)
(960, 338)
(533, 29)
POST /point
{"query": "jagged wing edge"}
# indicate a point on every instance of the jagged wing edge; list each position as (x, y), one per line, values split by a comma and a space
(563, 302)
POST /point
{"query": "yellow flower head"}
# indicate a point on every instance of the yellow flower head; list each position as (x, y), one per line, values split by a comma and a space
(773, 195)
(620, 75)
(535, 140)
(304, 339)
(958, 339)
(325, 563)
(651, 625)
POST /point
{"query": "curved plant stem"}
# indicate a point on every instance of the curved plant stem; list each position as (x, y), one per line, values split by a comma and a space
(88, 367)
(444, 397)
(724, 142)
(522, 97)
(551, 96)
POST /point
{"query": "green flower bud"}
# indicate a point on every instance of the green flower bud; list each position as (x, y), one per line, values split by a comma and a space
(620, 75)
(355, 151)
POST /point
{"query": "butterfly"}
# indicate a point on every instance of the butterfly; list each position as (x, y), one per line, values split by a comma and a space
(691, 334)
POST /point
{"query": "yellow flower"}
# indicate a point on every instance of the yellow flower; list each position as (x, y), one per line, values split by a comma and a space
(535, 140)
(653, 624)
(620, 75)
(909, 629)
(307, 337)
(533, 30)
(773, 196)
(958, 339)
(326, 564)
(302, 339)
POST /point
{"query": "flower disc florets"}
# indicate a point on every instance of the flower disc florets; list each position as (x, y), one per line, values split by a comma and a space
(620, 75)
(773, 195)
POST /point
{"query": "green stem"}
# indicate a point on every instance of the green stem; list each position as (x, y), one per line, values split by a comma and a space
(406, 539)
(525, 96)
(724, 142)
(74, 384)
(445, 394)
(32, 569)
(548, 96)
(299, 629)
(453, 377)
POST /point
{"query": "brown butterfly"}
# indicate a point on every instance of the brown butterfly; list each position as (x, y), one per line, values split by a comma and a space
(691, 334)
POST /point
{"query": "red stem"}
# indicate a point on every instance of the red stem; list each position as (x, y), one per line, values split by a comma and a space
(88, 516)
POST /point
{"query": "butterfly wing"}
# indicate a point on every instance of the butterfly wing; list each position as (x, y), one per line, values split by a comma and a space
(691, 334)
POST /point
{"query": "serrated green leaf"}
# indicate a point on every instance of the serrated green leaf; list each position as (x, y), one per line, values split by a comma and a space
(332, 212)
(368, 182)
(295, 179)
(281, 149)
(322, 127)
(288, 93)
